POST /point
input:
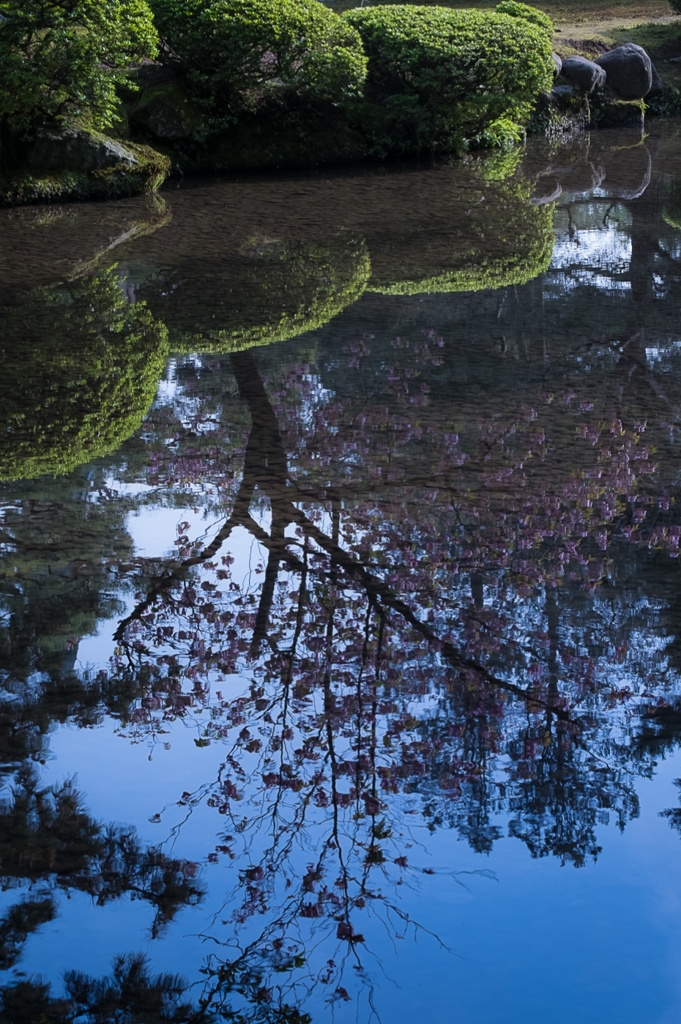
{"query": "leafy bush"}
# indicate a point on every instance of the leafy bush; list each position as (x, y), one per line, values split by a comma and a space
(63, 58)
(666, 102)
(275, 291)
(447, 79)
(80, 369)
(240, 54)
(531, 14)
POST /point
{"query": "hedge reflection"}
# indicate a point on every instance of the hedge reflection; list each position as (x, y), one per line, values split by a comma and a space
(497, 238)
(460, 612)
(82, 359)
(80, 369)
(273, 290)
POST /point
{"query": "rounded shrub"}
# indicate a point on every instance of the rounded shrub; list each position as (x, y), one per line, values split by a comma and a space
(448, 79)
(238, 55)
(62, 60)
(81, 366)
(531, 14)
(273, 292)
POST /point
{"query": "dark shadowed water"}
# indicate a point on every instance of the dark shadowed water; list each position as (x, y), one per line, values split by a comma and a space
(340, 607)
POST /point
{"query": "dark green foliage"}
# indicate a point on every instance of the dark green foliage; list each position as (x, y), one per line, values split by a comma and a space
(130, 995)
(673, 813)
(17, 923)
(263, 83)
(43, 619)
(163, 110)
(46, 834)
(274, 139)
(446, 79)
(80, 369)
(665, 103)
(30, 1002)
(531, 14)
(63, 58)
(241, 55)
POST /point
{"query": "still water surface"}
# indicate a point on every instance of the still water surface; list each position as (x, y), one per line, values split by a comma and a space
(340, 621)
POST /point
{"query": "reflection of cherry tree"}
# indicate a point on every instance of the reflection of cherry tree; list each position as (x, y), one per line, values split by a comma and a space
(428, 615)
(442, 622)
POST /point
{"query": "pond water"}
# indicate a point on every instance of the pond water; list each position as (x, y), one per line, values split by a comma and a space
(340, 621)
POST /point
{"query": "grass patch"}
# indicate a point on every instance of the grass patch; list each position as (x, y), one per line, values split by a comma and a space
(605, 11)
(568, 12)
(661, 39)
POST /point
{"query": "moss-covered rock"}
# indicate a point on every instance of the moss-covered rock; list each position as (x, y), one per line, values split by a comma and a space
(561, 112)
(80, 368)
(273, 291)
(666, 102)
(77, 149)
(77, 163)
(616, 113)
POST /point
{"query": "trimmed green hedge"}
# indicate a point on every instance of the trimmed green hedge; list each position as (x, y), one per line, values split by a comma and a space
(238, 55)
(277, 291)
(81, 366)
(531, 14)
(264, 83)
(448, 79)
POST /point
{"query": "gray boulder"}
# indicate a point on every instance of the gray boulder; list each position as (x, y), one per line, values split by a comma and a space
(75, 149)
(560, 95)
(658, 81)
(583, 73)
(557, 65)
(629, 70)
